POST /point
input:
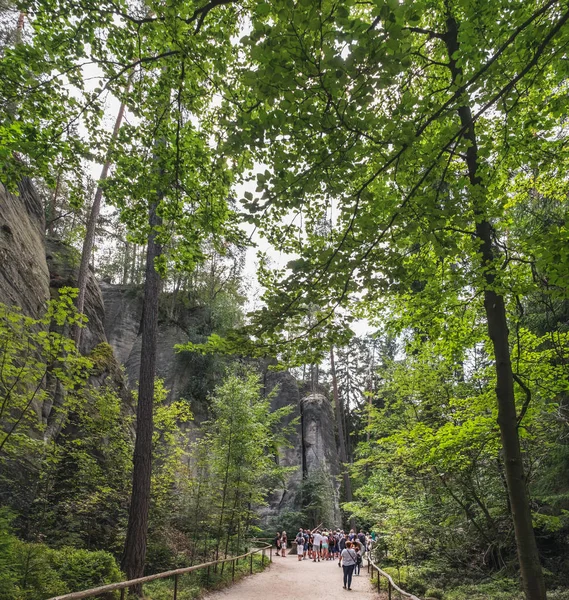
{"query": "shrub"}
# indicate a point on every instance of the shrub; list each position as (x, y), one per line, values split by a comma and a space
(83, 569)
(36, 571)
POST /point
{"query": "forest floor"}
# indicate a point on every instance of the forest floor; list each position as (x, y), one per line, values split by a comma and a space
(288, 577)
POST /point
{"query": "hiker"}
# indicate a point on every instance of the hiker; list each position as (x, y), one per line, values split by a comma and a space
(316, 541)
(348, 559)
(310, 544)
(359, 561)
(306, 539)
(324, 545)
(360, 545)
(299, 544)
(278, 542)
(284, 541)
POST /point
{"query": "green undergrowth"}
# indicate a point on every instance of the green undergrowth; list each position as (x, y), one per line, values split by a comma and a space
(36, 572)
(427, 582)
(196, 583)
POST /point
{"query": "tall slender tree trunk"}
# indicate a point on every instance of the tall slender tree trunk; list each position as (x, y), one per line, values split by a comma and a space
(52, 206)
(134, 554)
(224, 496)
(495, 309)
(89, 240)
(125, 263)
(341, 435)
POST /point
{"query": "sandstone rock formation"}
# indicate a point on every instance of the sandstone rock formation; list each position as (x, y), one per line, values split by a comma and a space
(24, 276)
(32, 269)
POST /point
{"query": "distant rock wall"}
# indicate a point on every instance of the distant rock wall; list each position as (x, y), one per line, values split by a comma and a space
(33, 268)
(312, 447)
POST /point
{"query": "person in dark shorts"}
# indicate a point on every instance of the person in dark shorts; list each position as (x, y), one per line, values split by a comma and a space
(278, 542)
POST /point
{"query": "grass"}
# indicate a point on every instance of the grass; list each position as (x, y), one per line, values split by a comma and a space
(196, 583)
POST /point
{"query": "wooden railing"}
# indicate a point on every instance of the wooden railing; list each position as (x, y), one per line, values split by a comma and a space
(391, 585)
(123, 585)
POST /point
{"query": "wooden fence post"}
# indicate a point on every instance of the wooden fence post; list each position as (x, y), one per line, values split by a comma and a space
(389, 589)
(378, 582)
(251, 568)
(232, 570)
(175, 587)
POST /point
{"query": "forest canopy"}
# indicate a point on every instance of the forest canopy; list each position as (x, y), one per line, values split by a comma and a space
(402, 168)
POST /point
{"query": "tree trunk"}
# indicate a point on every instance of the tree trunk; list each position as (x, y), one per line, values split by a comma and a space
(89, 240)
(494, 306)
(224, 496)
(135, 545)
(125, 263)
(341, 436)
(52, 206)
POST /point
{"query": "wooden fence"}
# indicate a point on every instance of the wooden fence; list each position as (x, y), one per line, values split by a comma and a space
(123, 585)
(391, 585)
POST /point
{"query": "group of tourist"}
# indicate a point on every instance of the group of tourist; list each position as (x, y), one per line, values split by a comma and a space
(325, 544)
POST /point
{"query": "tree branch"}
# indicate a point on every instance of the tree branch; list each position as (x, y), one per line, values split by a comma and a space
(527, 392)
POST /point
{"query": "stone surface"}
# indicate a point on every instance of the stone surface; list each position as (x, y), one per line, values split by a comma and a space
(24, 278)
(63, 263)
(312, 441)
(319, 445)
(33, 269)
(283, 389)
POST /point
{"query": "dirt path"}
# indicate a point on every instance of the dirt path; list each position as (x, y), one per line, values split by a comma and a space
(285, 575)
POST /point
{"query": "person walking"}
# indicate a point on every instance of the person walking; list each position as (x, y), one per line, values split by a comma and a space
(284, 541)
(359, 561)
(341, 546)
(278, 543)
(349, 560)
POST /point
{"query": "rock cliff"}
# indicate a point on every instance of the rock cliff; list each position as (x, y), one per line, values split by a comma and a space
(312, 452)
(33, 269)
(24, 275)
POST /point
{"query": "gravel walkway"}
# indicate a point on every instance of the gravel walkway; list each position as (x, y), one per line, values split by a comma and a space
(290, 578)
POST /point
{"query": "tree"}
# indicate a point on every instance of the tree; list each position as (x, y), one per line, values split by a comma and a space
(407, 123)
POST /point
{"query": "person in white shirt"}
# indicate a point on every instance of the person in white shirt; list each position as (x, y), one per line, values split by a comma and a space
(349, 560)
(299, 544)
(316, 541)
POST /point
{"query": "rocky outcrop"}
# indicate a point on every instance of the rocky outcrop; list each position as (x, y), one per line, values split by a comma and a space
(283, 390)
(185, 375)
(33, 269)
(312, 451)
(24, 277)
(312, 446)
(320, 455)
(63, 263)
